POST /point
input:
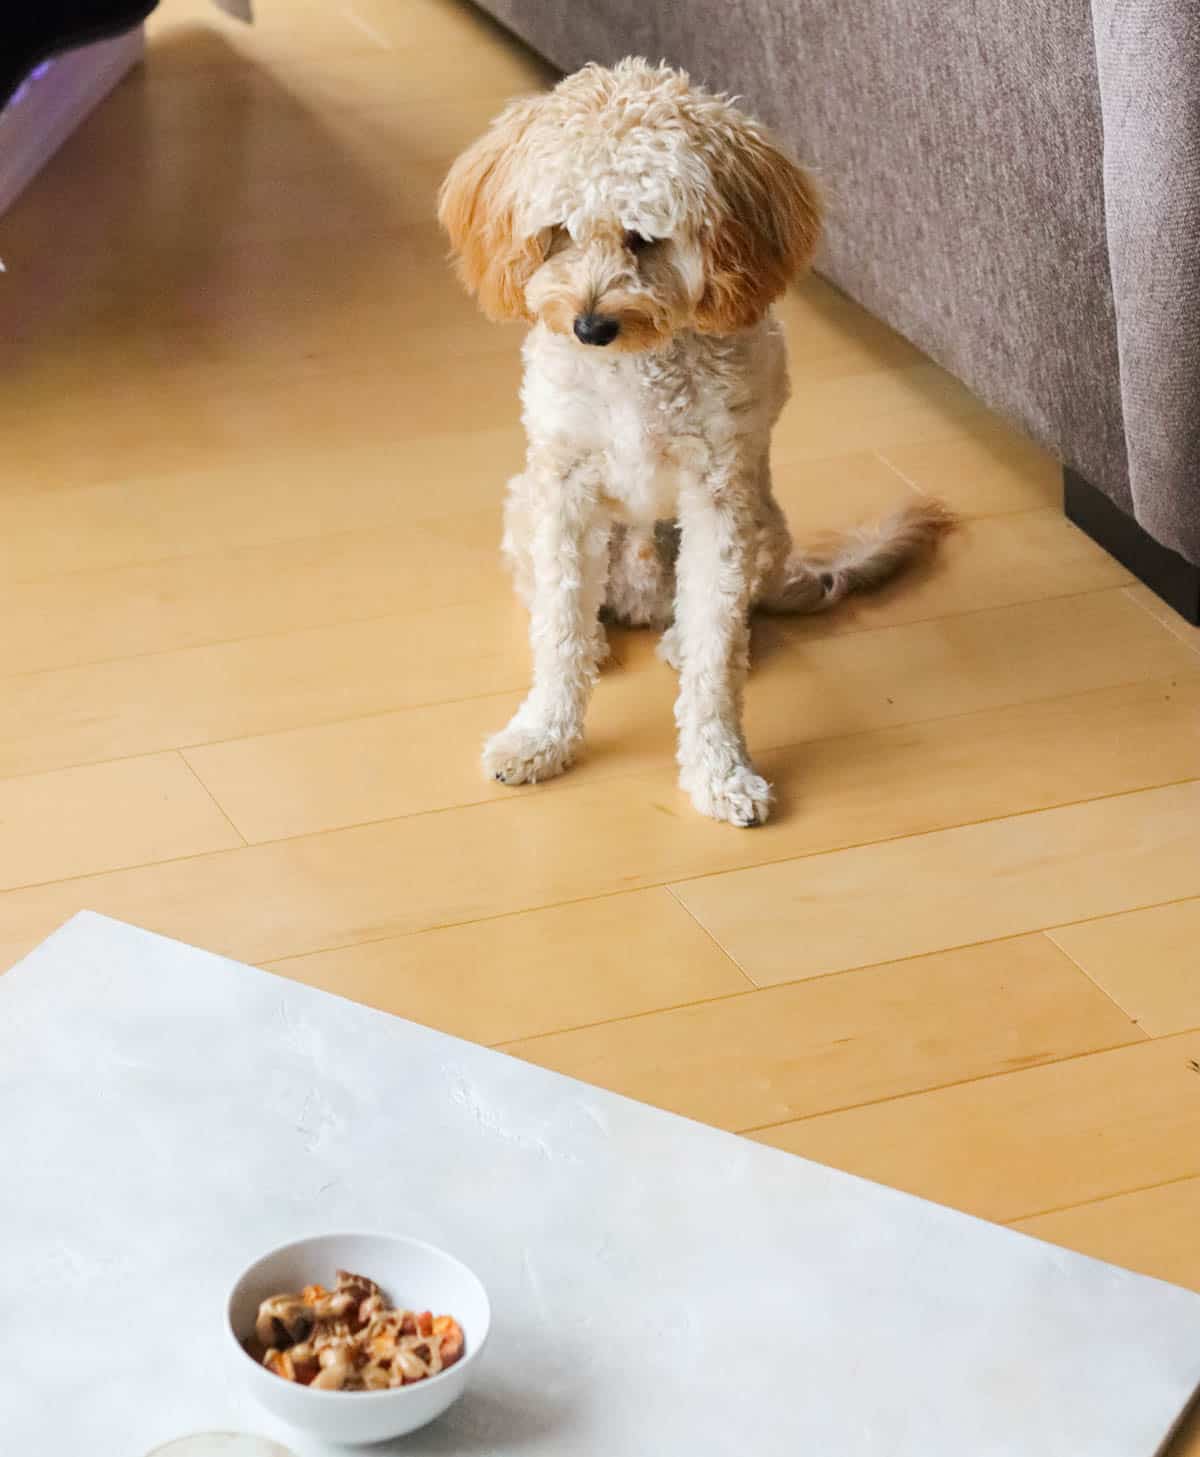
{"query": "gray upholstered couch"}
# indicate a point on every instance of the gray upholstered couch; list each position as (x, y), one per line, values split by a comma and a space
(1015, 186)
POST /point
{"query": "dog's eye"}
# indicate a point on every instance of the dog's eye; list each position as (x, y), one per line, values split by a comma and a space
(636, 243)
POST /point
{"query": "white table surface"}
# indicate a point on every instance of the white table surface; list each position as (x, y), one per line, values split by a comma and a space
(659, 1288)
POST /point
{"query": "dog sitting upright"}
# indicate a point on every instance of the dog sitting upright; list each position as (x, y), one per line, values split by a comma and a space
(643, 227)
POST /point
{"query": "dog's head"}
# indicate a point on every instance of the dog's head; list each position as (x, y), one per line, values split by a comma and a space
(627, 205)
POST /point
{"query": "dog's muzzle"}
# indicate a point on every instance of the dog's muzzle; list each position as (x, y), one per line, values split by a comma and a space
(596, 329)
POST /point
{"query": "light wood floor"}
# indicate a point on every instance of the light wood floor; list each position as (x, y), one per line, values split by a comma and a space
(255, 628)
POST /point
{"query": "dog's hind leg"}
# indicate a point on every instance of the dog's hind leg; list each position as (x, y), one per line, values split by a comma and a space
(641, 575)
(560, 539)
(772, 544)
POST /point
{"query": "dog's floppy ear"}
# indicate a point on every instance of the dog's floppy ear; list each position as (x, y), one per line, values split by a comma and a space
(476, 206)
(764, 233)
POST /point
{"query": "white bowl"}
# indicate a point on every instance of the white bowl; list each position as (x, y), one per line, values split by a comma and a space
(414, 1276)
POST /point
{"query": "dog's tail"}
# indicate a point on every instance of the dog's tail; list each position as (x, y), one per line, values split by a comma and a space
(859, 560)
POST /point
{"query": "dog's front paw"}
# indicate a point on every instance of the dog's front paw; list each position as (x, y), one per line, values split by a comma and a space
(740, 797)
(518, 755)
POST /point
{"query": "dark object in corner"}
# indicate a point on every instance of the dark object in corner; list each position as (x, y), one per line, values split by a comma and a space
(1165, 572)
(32, 33)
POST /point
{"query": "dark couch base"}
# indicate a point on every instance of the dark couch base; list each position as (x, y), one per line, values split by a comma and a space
(38, 31)
(1166, 573)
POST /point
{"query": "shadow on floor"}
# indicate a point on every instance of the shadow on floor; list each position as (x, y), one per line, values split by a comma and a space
(250, 216)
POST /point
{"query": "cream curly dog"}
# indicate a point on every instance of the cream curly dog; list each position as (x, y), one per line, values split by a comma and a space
(643, 227)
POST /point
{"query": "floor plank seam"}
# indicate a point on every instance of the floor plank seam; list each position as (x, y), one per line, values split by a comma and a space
(219, 554)
(1181, 632)
(812, 632)
(991, 1077)
(221, 810)
(627, 890)
(669, 883)
(250, 637)
(506, 1044)
(1103, 990)
(1104, 1198)
(726, 954)
(575, 781)
(654, 666)
(753, 987)
(946, 829)
(900, 475)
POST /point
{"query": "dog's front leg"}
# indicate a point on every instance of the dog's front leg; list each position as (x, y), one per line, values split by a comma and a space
(712, 640)
(568, 552)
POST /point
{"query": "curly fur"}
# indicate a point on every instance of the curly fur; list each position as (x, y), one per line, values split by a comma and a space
(632, 196)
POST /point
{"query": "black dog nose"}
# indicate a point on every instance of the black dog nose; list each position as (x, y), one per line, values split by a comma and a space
(596, 329)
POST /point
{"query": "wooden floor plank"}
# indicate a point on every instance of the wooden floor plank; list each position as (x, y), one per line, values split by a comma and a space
(1152, 1231)
(539, 972)
(827, 682)
(952, 887)
(83, 616)
(878, 409)
(1185, 631)
(88, 617)
(215, 418)
(57, 526)
(81, 821)
(576, 837)
(870, 785)
(1146, 961)
(990, 469)
(1012, 1146)
(1187, 1439)
(798, 1050)
(256, 685)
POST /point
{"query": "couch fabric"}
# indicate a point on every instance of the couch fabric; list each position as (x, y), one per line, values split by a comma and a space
(1015, 187)
(1149, 78)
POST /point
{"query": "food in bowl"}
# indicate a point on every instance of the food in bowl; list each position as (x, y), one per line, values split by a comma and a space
(351, 1338)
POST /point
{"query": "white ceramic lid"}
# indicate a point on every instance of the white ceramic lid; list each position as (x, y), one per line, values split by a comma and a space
(221, 1444)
